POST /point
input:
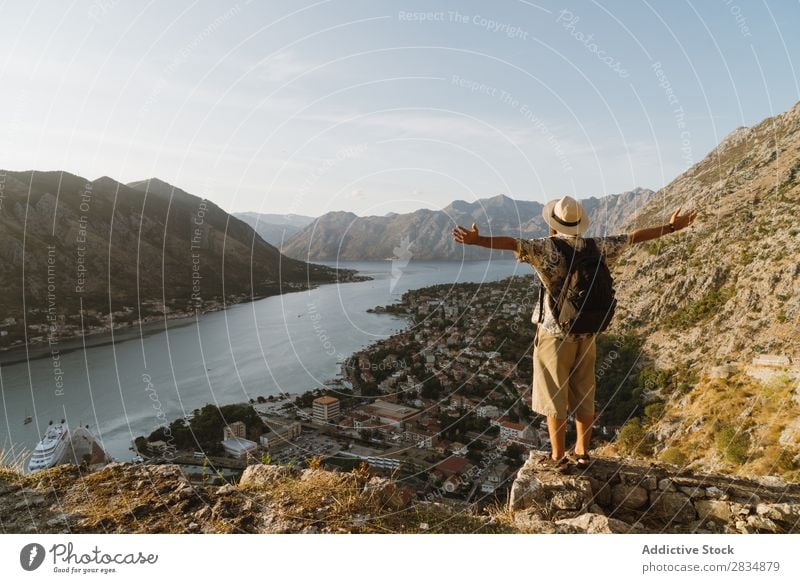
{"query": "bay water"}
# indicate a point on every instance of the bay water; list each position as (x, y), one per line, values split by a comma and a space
(290, 343)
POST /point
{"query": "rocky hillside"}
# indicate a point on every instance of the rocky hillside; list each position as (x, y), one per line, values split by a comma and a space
(65, 239)
(427, 234)
(717, 309)
(275, 229)
(725, 289)
(613, 496)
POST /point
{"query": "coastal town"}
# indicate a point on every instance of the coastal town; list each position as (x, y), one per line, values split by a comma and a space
(49, 326)
(441, 406)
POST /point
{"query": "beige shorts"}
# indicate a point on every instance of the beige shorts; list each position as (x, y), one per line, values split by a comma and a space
(563, 375)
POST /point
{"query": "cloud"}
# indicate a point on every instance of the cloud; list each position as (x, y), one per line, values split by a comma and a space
(282, 67)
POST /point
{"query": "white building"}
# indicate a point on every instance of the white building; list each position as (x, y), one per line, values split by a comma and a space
(458, 448)
(490, 411)
(239, 447)
(325, 409)
(279, 432)
(511, 429)
(494, 477)
(373, 457)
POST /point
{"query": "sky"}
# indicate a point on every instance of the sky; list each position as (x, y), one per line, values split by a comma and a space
(374, 106)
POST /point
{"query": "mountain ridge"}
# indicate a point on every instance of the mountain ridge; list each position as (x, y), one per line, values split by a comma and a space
(341, 235)
(68, 243)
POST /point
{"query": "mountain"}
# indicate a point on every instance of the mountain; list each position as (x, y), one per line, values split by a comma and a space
(67, 242)
(427, 234)
(717, 309)
(726, 288)
(274, 228)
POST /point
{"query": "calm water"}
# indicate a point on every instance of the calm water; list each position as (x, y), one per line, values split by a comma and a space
(285, 343)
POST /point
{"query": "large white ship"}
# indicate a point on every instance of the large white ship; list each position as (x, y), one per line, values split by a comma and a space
(62, 446)
(50, 450)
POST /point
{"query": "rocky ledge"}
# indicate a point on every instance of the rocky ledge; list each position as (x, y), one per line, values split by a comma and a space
(614, 495)
(621, 496)
(131, 498)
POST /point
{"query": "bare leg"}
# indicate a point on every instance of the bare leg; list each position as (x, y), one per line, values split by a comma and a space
(583, 425)
(557, 428)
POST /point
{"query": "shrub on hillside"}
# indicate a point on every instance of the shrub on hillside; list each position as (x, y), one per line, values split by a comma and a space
(633, 439)
(734, 445)
(654, 411)
(673, 455)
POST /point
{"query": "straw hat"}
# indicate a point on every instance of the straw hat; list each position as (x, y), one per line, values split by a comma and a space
(566, 215)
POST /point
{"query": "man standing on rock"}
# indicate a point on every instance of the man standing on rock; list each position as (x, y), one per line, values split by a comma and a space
(576, 302)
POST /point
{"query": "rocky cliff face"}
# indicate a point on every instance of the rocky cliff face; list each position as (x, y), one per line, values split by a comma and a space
(725, 289)
(427, 234)
(64, 239)
(615, 495)
(720, 300)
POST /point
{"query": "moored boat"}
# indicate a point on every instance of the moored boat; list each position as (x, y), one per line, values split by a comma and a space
(50, 450)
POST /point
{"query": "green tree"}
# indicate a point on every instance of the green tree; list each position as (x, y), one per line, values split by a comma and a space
(140, 443)
(431, 388)
(474, 456)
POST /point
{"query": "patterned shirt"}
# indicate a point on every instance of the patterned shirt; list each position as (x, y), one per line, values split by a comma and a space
(551, 268)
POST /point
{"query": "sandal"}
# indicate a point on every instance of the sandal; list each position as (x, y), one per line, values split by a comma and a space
(582, 460)
(547, 462)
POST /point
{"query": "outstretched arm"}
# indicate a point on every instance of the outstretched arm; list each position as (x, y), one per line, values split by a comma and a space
(473, 237)
(676, 223)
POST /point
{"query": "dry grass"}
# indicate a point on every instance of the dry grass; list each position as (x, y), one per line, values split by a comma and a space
(502, 514)
(157, 499)
(11, 466)
(744, 405)
(111, 500)
(339, 501)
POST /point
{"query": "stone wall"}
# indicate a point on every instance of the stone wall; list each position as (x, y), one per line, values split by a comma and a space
(616, 495)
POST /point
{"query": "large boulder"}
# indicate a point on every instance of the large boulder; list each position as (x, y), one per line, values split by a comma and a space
(554, 494)
(259, 475)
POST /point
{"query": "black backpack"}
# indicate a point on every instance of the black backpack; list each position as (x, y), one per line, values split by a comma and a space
(586, 302)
